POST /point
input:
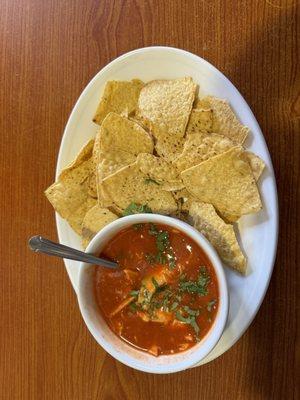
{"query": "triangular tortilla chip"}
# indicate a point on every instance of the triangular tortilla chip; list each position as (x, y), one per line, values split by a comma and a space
(167, 105)
(130, 185)
(257, 164)
(94, 220)
(69, 195)
(225, 121)
(201, 120)
(117, 144)
(160, 171)
(120, 97)
(200, 147)
(119, 132)
(220, 235)
(226, 181)
(169, 146)
(112, 160)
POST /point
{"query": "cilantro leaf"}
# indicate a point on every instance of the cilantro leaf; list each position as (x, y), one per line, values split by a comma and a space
(134, 208)
(134, 293)
(210, 305)
(196, 287)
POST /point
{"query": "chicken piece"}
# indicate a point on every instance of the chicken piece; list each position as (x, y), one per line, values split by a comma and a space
(130, 275)
(145, 317)
(162, 317)
(153, 350)
(149, 286)
(123, 304)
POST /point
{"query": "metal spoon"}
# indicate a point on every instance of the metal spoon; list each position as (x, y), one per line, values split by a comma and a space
(41, 245)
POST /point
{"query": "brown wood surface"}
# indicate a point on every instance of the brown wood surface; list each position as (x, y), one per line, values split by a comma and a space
(50, 49)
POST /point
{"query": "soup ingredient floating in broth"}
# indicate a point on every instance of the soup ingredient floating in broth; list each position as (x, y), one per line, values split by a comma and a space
(160, 147)
(165, 297)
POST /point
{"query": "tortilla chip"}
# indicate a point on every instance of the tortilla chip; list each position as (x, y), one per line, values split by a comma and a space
(167, 105)
(160, 171)
(92, 186)
(225, 121)
(69, 195)
(257, 164)
(226, 181)
(110, 162)
(220, 235)
(120, 97)
(200, 147)
(130, 185)
(113, 160)
(169, 146)
(201, 120)
(94, 220)
(120, 133)
(117, 143)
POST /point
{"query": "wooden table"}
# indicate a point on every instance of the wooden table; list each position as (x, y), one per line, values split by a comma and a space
(50, 50)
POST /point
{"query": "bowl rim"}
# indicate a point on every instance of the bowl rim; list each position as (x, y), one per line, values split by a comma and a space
(197, 352)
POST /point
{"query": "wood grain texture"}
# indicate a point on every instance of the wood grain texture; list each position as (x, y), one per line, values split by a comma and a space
(49, 50)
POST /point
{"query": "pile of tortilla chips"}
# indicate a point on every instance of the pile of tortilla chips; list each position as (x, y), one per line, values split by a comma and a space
(161, 147)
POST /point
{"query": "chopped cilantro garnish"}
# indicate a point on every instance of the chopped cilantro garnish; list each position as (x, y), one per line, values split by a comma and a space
(134, 293)
(150, 258)
(195, 326)
(162, 240)
(191, 320)
(171, 259)
(165, 254)
(181, 318)
(152, 229)
(156, 285)
(174, 305)
(133, 307)
(161, 258)
(134, 208)
(210, 305)
(137, 227)
(196, 287)
(150, 180)
(194, 313)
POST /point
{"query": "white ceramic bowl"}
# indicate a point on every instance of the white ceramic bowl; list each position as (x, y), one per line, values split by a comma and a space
(117, 347)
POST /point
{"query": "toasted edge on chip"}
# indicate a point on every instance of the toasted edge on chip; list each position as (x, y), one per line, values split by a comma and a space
(220, 235)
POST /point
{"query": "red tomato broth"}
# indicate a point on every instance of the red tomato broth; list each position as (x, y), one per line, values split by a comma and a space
(129, 248)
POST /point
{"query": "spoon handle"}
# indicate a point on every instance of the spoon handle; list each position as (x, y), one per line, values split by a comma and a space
(42, 245)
